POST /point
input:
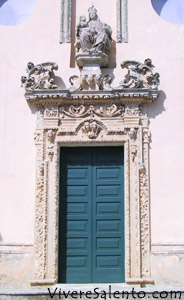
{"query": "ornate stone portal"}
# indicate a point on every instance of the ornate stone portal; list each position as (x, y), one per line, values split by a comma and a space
(92, 112)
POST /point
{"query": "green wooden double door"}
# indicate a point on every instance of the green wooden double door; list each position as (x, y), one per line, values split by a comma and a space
(91, 215)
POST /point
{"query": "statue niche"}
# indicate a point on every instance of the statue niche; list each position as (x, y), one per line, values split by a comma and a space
(93, 36)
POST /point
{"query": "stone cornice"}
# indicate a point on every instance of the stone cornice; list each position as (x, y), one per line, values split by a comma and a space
(57, 96)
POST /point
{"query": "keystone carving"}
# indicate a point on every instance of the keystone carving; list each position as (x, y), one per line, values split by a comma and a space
(140, 75)
(39, 76)
(93, 36)
(91, 128)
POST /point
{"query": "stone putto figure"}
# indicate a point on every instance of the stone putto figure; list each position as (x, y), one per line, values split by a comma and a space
(94, 37)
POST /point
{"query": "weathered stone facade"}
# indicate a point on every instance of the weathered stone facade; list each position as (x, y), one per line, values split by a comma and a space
(100, 106)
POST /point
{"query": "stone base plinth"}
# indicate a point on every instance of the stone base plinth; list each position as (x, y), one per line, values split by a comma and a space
(99, 60)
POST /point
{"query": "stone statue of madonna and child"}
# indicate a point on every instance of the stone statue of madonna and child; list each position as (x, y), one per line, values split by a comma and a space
(93, 36)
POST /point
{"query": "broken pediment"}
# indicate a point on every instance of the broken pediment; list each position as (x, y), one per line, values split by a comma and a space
(140, 84)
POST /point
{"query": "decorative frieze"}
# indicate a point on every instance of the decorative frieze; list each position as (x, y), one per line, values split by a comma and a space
(85, 111)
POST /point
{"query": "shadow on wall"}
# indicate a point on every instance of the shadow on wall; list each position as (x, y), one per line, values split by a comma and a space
(112, 56)
(59, 82)
(157, 107)
(158, 5)
(14, 12)
(34, 109)
(2, 2)
(1, 239)
(171, 11)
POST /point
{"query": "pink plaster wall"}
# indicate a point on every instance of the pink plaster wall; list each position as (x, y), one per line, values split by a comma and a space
(37, 40)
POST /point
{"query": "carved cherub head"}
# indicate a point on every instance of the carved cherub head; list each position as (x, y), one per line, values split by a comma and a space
(87, 126)
(94, 126)
(82, 21)
(50, 134)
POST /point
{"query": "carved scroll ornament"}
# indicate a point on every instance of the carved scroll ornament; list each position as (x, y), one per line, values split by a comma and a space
(39, 76)
(140, 83)
(140, 75)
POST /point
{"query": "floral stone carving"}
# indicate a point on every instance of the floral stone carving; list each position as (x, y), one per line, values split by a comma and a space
(93, 36)
(39, 76)
(140, 75)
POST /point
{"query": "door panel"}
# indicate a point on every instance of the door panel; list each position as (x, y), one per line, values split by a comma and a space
(91, 247)
(75, 224)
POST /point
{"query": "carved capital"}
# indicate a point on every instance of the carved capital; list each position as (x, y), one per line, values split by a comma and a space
(132, 132)
(51, 112)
